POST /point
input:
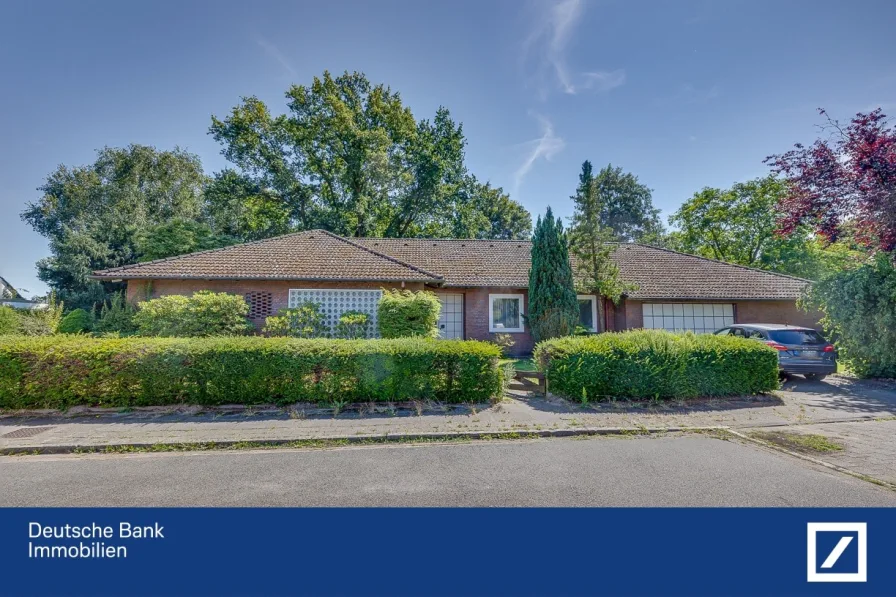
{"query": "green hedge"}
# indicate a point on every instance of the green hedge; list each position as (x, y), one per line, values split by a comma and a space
(403, 313)
(656, 364)
(59, 372)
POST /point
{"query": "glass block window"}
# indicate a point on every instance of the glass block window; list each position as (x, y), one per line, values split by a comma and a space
(334, 303)
(259, 304)
(695, 317)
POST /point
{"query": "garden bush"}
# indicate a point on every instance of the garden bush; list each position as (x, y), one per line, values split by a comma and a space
(403, 313)
(353, 325)
(859, 309)
(656, 364)
(203, 314)
(76, 322)
(64, 371)
(305, 321)
(116, 316)
(9, 320)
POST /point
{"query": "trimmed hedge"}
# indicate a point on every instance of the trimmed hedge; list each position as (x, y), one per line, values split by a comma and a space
(61, 372)
(656, 364)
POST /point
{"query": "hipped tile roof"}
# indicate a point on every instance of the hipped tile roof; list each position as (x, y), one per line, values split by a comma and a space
(311, 255)
(318, 255)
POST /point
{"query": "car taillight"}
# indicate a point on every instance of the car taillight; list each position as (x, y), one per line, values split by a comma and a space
(776, 346)
(829, 348)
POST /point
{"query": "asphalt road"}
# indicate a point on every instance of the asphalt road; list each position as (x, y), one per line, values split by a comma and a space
(670, 471)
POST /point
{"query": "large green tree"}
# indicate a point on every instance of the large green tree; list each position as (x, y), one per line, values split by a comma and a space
(177, 237)
(350, 157)
(591, 243)
(92, 215)
(553, 308)
(740, 225)
(626, 205)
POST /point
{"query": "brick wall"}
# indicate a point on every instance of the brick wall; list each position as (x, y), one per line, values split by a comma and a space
(476, 317)
(631, 313)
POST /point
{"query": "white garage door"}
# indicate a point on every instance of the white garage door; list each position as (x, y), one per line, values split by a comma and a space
(451, 319)
(695, 317)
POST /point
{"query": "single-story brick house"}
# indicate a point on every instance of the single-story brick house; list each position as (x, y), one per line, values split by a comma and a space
(482, 283)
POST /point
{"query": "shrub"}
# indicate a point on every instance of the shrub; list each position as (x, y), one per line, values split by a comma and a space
(305, 321)
(9, 320)
(116, 316)
(402, 313)
(656, 364)
(64, 371)
(353, 325)
(859, 309)
(505, 342)
(76, 322)
(41, 322)
(203, 314)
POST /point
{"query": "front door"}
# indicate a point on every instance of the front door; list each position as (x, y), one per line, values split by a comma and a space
(451, 319)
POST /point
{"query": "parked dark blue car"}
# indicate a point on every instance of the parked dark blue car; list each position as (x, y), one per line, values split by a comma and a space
(800, 350)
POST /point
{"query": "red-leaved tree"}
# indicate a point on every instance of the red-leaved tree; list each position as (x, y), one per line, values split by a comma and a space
(847, 181)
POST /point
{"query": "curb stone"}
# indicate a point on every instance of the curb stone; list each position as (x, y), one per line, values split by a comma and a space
(357, 439)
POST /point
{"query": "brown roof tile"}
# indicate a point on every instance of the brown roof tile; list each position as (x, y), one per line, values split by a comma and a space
(310, 255)
(658, 273)
(319, 255)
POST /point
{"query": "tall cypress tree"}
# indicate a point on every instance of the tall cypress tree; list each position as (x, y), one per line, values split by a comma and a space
(553, 308)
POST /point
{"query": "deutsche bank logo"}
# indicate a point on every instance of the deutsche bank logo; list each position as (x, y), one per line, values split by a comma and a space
(837, 551)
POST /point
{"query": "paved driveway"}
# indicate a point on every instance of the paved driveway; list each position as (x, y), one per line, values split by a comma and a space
(839, 398)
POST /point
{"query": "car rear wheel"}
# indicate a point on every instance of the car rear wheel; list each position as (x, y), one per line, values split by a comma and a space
(815, 376)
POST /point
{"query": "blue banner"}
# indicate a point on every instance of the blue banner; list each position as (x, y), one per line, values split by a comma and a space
(331, 551)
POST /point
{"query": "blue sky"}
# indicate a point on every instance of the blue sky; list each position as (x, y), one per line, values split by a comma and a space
(684, 94)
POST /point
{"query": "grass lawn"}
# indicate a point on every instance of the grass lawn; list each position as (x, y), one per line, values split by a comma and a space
(520, 364)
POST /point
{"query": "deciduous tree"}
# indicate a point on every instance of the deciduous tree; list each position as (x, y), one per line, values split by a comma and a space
(626, 205)
(350, 157)
(739, 225)
(845, 181)
(92, 214)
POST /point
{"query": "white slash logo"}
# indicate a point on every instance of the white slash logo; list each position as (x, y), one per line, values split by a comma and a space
(848, 532)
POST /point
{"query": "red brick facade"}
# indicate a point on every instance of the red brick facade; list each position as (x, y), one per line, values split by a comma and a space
(627, 315)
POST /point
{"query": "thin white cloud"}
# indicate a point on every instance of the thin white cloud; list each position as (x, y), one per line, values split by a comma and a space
(545, 51)
(603, 80)
(275, 53)
(544, 147)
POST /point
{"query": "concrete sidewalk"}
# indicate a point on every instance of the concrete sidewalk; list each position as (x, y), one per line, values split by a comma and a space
(798, 403)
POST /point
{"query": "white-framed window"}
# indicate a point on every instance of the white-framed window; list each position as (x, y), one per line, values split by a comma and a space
(588, 311)
(505, 313)
(334, 303)
(700, 318)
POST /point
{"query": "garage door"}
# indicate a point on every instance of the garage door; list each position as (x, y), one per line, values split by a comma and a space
(695, 317)
(451, 319)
